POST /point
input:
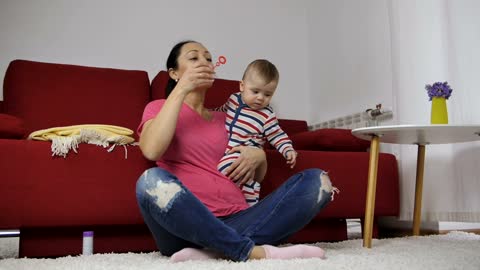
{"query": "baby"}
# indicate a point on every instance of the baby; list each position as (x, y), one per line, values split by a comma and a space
(251, 121)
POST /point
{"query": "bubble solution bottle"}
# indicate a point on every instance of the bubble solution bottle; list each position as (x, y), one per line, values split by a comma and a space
(87, 248)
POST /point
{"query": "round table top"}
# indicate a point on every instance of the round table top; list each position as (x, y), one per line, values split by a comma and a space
(420, 134)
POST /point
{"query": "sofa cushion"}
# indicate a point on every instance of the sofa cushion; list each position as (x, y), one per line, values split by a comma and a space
(11, 127)
(291, 126)
(329, 139)
(348, 172)
(216, 96)
(48, 95)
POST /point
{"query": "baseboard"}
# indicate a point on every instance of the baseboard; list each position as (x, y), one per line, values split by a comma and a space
(475, 231)
(392, 227)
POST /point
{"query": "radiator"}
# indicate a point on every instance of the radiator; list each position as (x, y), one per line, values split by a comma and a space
(356, 120)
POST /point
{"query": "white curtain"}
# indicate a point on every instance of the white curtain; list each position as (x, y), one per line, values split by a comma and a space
(437, 40)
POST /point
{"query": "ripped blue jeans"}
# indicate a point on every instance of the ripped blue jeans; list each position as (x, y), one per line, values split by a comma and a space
(178, 219)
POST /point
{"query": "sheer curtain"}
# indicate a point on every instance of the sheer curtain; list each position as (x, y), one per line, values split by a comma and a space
(437, 40)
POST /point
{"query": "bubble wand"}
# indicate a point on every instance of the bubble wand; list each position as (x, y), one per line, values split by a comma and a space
(222, 60)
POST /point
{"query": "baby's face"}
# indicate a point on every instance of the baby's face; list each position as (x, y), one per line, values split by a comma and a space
(255, 93)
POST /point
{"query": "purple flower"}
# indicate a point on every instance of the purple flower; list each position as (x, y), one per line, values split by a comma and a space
(439, 89)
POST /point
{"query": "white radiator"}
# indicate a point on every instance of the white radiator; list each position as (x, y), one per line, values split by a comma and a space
(356, 120)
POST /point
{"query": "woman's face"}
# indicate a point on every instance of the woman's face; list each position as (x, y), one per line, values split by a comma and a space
(193, 55)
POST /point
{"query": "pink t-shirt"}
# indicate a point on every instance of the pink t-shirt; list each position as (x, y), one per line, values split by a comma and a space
(193, 154)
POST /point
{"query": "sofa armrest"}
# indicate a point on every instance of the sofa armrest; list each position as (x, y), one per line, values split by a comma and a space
(329, 139)
(11, 127)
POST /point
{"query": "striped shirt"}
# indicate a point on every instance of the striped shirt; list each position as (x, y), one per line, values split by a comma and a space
(250, 127)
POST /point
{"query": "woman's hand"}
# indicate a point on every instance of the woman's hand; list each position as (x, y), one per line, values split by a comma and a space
(196, 76)
(245, 166)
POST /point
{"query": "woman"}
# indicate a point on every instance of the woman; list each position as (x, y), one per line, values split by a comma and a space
(194, 211)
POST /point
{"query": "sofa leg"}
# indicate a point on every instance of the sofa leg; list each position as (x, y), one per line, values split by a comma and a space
(9, 243)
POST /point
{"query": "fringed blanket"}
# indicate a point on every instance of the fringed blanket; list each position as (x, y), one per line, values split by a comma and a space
(67, 138)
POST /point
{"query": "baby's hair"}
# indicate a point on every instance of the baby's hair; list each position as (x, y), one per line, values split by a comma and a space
(263, 68)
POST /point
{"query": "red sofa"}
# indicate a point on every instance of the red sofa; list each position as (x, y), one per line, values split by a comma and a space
(51, 200)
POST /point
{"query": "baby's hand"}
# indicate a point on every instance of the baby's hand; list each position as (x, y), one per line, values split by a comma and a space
(292, 158)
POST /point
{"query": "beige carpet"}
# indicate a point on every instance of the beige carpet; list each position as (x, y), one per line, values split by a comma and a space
(455, 250)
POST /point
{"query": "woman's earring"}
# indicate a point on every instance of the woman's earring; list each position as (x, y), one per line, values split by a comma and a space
(176, 80)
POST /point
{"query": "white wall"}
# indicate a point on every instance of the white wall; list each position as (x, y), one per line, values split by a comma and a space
(350, 57)
(140, 34)
(429, 49)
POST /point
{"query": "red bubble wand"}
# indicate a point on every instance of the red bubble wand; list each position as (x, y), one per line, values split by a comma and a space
(222, 60)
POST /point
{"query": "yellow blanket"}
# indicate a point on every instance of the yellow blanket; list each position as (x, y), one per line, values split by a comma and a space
(67, 138)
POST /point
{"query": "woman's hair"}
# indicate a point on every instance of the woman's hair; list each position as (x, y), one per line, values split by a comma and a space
(264, 69)
(172, 63)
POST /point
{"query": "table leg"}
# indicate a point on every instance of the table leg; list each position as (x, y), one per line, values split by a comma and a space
(372, 185)
(417, 211)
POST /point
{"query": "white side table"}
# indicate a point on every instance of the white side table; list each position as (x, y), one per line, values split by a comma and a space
(420, 135)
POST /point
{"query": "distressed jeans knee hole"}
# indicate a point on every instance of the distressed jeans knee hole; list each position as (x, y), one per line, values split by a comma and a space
(326, 187)
(164, 193)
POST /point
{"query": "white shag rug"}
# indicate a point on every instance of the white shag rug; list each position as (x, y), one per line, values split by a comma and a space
(455, 250)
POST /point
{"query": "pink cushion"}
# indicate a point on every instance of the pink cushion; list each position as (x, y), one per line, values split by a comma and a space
(329, 139)
(11, 127)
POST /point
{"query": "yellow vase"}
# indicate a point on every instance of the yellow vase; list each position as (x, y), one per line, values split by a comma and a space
(439, 111)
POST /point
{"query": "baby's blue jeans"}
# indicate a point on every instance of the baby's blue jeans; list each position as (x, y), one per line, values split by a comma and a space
(177, 219)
